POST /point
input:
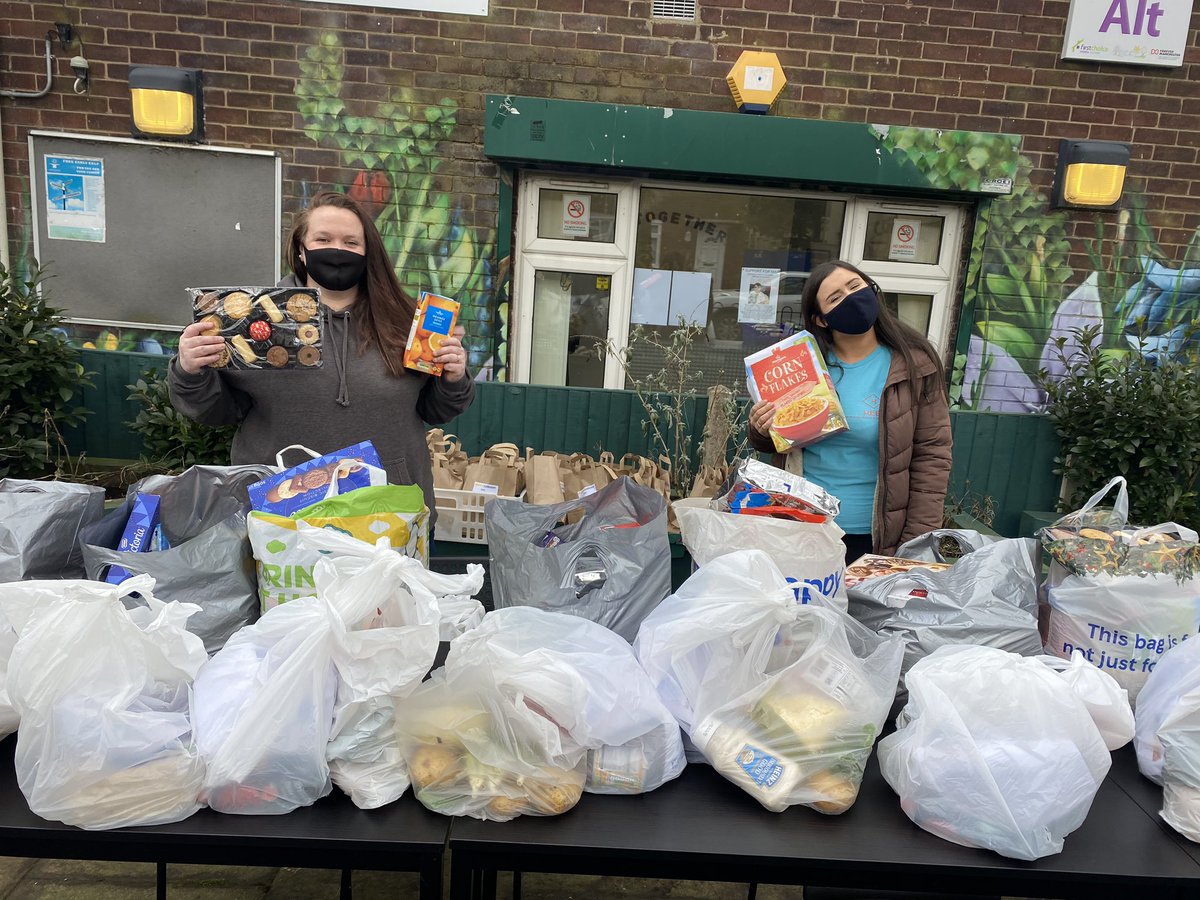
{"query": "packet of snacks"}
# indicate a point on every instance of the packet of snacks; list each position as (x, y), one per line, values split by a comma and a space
(792, 374)
(754, 484)
(263, 327)
(432, 323)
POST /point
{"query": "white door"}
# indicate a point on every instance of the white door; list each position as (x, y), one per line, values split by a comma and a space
(571, 280)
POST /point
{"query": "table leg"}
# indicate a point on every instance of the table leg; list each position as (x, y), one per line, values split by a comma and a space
(347, 888)
(462, 878)
(430, 874)
(160, 881)
(516, 888)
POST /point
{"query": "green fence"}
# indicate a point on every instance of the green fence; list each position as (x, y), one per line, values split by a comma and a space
(999, 459)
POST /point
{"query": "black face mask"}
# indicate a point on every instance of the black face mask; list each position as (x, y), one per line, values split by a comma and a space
(856, 313)
(335, 269)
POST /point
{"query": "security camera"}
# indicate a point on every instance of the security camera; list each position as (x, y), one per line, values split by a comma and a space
(79, 66)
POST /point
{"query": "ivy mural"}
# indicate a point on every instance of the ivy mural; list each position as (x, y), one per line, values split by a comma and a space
(396, 154)
(1026, 295)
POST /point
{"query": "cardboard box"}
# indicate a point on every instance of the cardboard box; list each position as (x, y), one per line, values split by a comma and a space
(293, 489)
(793, 375)
(138, 534)
(432, 323)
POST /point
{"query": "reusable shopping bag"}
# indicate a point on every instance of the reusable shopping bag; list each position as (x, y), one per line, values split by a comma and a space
(102, 692)
(810, 552)
(203, 512)
(1121, 595)
(612, 565)
(395, 513)
(994, 750)
(988, 597)
(784, 698)
(39, 527)
(611, 708)
(1177, 675)
(310, 687)
(1179, 735)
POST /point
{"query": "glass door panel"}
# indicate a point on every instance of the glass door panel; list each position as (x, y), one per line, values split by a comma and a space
(570, 328)
(577, 215)
(912, 309)
(903, 237)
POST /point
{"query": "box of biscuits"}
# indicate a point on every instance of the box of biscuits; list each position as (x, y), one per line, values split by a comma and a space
(263, 327)
(303, 485)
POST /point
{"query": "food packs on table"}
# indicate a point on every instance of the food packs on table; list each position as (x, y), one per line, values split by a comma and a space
(603, 557)
(203, 513)
(315, 680)
(793, 375)
(1176, 677)
(1121, 595)
(755, 484)
(988, 597)
(531, 708)
(39, 527)
(996, 750)
(292, 489)
(784, 699)
(102, 693)
(263, 327)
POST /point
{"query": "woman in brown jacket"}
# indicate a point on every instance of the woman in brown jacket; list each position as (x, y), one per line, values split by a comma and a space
(891, 468)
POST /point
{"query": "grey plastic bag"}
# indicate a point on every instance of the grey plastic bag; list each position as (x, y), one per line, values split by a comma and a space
(989, 597)
(39, 527)
(203, 513)
(929, 547)
(612, 566)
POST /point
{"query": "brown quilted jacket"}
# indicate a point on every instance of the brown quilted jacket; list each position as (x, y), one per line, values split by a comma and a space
(914, 457)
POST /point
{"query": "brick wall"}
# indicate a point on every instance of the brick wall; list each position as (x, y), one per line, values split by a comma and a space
(983, 65)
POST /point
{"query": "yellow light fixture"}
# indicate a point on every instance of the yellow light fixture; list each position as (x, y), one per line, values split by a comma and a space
(167, 102)
(1090, 174)
(756, 81)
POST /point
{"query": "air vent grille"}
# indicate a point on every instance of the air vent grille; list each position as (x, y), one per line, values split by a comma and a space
(679, 10)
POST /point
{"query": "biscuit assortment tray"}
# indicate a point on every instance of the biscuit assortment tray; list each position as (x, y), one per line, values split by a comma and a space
(263, 327)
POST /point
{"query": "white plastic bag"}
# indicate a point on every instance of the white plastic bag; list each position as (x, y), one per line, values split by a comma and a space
(811, 553)
(1106, 701)
(8, 639)
(784, 699)
(1122, 622)
(475, 746)
(1176, 675)
(632, 740)
(102, 692)
(1180, 737)
(994, 750)
(310, 688)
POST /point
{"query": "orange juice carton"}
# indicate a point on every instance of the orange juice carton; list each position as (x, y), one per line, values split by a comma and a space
(792, 374)
(432, 323)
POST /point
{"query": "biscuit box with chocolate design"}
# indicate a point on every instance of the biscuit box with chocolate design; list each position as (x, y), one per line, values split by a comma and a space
(263, 327)
(303, 485)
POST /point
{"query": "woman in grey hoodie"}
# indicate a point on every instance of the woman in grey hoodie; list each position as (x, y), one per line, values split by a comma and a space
(362, 391)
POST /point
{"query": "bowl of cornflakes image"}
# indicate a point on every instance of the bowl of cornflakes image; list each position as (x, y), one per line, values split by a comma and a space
(801, 419)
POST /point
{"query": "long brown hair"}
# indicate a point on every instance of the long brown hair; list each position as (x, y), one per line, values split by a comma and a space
(384, 310)
(890, 331)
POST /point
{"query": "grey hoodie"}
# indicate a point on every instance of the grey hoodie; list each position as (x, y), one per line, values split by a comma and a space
(350, 398)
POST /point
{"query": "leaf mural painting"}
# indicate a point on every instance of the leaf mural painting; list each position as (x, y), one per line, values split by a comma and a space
(395, 155)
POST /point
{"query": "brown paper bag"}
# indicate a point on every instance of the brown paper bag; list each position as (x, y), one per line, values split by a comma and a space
(542, 483)
(588, 476)
(447, 458)
(708, 481)
(498, 471)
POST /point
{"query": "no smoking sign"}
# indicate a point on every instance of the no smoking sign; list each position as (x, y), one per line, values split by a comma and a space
(576, 220)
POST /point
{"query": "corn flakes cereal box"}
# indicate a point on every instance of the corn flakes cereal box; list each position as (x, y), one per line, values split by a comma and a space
(793, 375)
(432, 323)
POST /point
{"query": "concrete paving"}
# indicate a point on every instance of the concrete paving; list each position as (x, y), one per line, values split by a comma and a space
(34, 879)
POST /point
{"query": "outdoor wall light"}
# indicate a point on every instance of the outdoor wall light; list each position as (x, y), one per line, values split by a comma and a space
(167, 102)
(1090, 174)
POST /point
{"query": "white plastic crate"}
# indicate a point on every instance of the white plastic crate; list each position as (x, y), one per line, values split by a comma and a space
(460, 515)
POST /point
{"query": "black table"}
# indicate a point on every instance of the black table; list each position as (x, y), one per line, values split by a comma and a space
(705, 828)
(331, 834)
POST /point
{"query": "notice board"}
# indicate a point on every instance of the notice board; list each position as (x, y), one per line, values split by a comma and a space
(125, 226)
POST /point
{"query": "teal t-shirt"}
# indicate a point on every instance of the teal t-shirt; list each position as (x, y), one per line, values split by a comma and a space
(847, 464)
